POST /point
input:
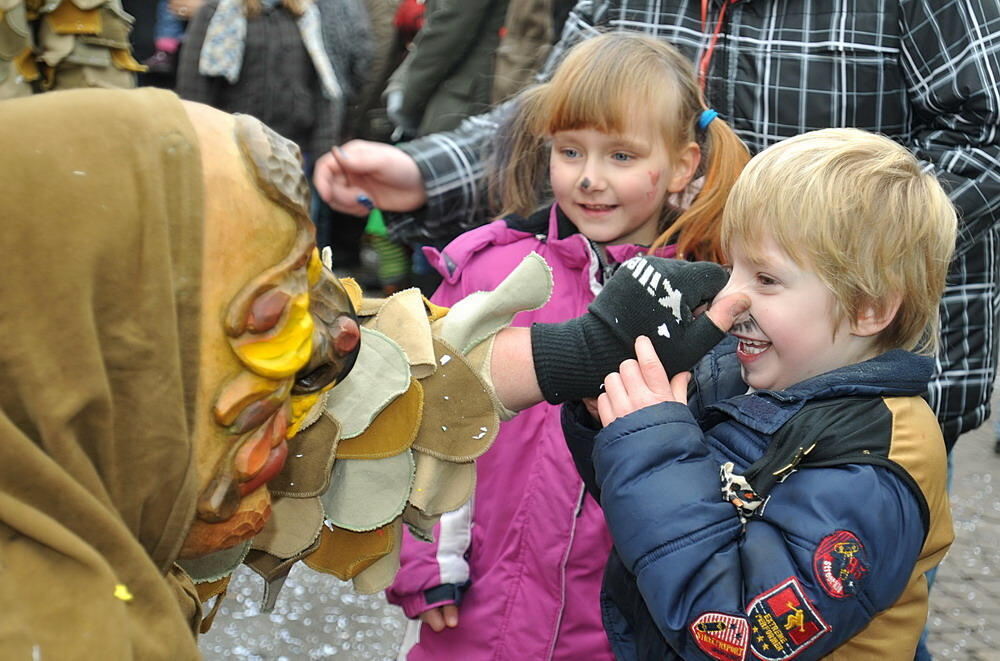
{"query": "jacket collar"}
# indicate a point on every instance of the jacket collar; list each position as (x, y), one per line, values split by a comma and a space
(894, 373)
(561, 228)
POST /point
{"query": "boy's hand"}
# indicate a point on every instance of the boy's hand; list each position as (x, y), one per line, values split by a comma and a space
(640, 383)
(643, 382)
(440, 617)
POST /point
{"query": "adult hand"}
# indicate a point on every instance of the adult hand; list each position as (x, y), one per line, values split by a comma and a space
(643, 381)
(405, 126)
(185, 9)
(440, 617)
(385, 175)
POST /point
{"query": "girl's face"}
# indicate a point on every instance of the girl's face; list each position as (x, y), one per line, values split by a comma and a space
(613, 186)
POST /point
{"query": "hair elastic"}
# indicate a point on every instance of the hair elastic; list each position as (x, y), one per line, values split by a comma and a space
(706, 118)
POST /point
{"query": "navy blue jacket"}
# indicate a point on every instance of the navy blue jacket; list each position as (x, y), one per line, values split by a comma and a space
(829, 549)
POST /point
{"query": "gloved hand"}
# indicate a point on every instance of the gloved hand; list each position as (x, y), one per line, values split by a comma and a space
(405, 126)
(649, 296)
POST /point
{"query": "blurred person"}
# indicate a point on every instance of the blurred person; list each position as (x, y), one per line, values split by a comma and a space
(58, 45)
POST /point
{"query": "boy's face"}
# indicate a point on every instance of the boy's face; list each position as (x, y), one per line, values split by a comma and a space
(790, 332)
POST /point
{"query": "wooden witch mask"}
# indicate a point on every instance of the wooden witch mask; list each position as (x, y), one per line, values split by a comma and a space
(277, 328)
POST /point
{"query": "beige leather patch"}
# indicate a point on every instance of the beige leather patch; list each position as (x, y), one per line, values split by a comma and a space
(380, 375)
(70, 19)
(293, 527)
(421, 525)
(441, 486)
(354, 291)
(368, 493)
(459, 421)
(310, 460)
(345, 554)
(479, 315)
(379, 575)
(391, 432)
(403, 317)
(214, 566)
(434, 311)
(270, 567)
(208, 590)
(370, 306)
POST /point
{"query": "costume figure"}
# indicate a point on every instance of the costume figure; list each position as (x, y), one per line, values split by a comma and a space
(158, 370)
(64, 44)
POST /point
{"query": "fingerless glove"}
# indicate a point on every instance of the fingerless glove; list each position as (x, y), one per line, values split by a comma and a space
(649, 296)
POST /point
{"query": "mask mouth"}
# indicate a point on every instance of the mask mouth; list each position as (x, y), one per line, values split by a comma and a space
(336, 338)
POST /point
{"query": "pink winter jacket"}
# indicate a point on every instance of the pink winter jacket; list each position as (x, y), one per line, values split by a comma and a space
(531, 544)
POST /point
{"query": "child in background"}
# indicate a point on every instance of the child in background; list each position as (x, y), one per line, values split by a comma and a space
(832, 464)
(627, 132)
(167, 37)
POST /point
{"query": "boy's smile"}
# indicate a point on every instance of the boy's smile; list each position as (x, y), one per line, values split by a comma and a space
(791, 332)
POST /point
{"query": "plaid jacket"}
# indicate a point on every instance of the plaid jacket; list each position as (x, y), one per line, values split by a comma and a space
(923, 73)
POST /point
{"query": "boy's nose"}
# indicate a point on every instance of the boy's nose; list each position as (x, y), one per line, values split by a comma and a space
(734, 287)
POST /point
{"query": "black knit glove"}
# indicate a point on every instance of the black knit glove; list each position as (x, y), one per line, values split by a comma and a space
(649, 296)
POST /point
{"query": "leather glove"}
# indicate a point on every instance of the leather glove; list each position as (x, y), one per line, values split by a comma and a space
(649, 296)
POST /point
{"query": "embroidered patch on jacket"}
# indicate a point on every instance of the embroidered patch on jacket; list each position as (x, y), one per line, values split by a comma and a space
(723, 637)
(783, 622)
(840, 562)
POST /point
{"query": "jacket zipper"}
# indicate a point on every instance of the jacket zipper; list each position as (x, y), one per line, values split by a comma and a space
(562, 570)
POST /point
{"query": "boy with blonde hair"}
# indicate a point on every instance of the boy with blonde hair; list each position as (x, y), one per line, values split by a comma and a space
(809, 419)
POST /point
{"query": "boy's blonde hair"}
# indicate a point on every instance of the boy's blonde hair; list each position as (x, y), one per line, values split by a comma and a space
(604, 83)
(860, 211)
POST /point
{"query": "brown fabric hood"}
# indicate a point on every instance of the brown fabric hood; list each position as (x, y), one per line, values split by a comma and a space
(100, 247)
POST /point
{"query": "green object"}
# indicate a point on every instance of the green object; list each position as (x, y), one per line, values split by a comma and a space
(393, 259)
(376, 224)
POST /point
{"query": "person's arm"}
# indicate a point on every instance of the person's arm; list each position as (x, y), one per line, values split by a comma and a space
(432, 188)
(528, 365)
(433, 576)
(703, 572)
(451, 164)
(951, 59)
(450, 32)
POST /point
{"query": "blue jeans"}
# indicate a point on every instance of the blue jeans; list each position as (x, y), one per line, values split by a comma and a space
(168, 24)
(924, 654)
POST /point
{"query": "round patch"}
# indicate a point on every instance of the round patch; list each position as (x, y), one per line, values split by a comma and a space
(840, 563)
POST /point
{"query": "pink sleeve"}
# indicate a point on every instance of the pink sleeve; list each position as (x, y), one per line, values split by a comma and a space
(426, 567)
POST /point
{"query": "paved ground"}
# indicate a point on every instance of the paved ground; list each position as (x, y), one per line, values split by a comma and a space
(318, 617)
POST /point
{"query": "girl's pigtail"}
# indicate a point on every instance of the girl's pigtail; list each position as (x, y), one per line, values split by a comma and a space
(520, 158)
(697, 230)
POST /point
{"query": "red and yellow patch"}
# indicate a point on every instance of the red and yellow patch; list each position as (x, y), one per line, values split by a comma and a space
(839, 563)
(721, 636)
(783, 623)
